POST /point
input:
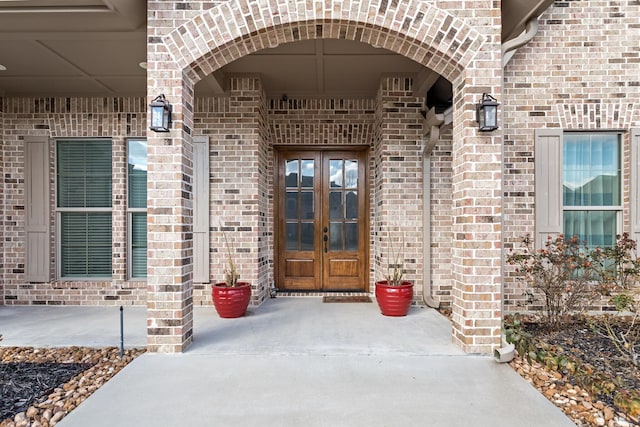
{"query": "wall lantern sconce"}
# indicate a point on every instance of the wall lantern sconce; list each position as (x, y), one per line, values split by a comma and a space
(487, 113)
(160, 114)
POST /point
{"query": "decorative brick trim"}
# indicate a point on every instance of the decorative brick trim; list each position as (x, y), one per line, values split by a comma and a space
(321, 121)
(416, 29)
(596, 115)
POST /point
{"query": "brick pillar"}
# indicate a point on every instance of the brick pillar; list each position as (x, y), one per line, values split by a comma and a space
(169, 228)
(477, 215)
(169, 192)
(397, 210)
(239, 192)
(265, 202)
(2, 197)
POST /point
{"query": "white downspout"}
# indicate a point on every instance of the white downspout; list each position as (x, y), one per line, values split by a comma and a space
(432, 135)
(506, 353)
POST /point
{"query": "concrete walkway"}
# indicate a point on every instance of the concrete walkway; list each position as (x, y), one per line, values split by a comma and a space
(290, 362)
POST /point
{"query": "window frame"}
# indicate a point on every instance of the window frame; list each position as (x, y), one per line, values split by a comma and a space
(59, 211)
(619, 209)
(130, 212)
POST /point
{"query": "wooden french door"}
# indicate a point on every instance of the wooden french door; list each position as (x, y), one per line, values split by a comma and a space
(322, 231)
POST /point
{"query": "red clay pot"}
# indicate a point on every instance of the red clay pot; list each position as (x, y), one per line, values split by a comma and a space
(231, 302)
(394, 300)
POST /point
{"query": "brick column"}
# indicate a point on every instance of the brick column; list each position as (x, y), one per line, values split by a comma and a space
(477, 214)
(169, 227)
(397, 207)
(2, 197)
(239, 183)
(169, 192)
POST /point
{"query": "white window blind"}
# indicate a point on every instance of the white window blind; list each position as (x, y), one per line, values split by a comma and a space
(83, 177)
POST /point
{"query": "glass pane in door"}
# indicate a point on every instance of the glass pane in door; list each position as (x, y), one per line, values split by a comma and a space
(299, 204)
(351, 203)
(351, 236)
(335, 236)
(307, 169)
(343, 205)
(335, 205)
(335, 173)
(351, 174)
(291, 174)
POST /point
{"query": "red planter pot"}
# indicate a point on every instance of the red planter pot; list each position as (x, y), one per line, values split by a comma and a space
(394, 300)
(231, 301)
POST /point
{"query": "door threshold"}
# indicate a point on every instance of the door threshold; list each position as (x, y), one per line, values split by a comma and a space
(312, 293)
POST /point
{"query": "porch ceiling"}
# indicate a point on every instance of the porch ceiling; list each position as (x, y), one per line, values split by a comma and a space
(94, 48)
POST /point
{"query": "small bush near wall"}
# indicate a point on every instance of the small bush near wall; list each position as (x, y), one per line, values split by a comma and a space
(568, 277)
(559, 275)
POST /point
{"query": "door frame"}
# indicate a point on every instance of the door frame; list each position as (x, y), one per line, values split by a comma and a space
(282, 148)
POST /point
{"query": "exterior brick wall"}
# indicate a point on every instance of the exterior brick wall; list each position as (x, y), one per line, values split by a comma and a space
(113, 118)
(576, 74)
(239, 186)
(476, 194)
(397, 191)
(190, 39)
(441, 219)
(321, 121)
(265, 201)
(3, 217)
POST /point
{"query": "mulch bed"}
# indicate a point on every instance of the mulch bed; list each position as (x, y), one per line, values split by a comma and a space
(578, 341)
(39, 386)
(21, 384)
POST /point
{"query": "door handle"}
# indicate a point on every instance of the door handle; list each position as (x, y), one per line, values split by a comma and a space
(325, 238)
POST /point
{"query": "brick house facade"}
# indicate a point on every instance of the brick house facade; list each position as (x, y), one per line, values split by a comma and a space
(481, 187)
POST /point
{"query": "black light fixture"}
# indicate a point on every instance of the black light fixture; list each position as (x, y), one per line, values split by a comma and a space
(487, 113)
(160, 114)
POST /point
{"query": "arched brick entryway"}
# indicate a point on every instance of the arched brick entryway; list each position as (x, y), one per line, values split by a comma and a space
(416, 29)
(464, 50)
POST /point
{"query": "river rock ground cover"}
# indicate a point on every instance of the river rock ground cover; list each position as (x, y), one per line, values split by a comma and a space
(39, 386)
(606, 388)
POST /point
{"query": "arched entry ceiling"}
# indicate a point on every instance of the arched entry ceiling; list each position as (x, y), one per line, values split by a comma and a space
(93, 48)
(320, 67)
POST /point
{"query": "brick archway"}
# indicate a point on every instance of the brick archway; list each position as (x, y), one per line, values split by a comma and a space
(415, 29)
(460, 44)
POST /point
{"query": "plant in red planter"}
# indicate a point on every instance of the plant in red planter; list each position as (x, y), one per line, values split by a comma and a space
(231, 297)
(394, 295)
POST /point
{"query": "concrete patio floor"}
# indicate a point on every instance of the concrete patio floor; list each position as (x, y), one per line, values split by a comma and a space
(290, 362)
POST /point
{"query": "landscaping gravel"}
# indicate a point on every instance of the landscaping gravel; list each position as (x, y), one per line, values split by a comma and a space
(578, 341)
(41, 385)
